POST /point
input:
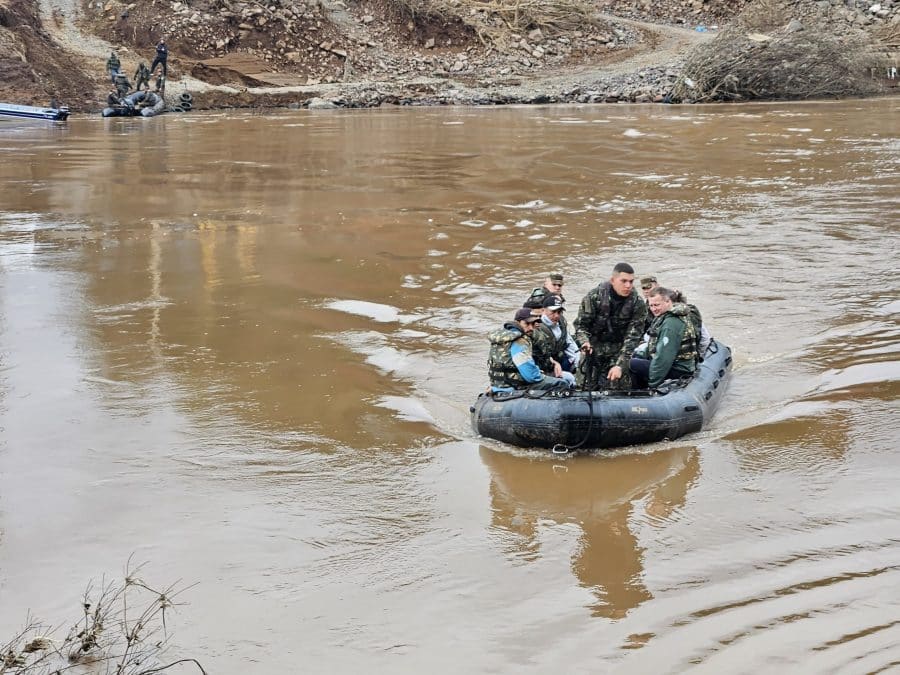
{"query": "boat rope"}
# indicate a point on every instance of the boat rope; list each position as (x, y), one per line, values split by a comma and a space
(562, 448)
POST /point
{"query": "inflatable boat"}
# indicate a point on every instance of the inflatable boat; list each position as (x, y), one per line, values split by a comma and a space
(31, 112)
(137, 104)
(573, 420)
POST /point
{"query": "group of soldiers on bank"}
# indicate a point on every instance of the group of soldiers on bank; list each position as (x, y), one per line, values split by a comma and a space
(142, 75)
(622, 339)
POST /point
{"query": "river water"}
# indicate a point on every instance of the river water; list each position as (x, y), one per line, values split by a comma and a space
(242, 347)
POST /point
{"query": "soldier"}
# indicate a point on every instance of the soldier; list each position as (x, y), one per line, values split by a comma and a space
(552, 286)
(647, 285)
(510, 362)
(672, 350)
(112, 66)
(555, 351)
(609, 326)
(123, 86)
(162, 55)
(703, 335)
(142, 77)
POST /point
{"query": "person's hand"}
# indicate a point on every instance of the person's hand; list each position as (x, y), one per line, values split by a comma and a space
(557, 369)
(615, 373)
(586, 348)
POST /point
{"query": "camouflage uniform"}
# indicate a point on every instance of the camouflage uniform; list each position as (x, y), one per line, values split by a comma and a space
(536, 299)
(501, 369)
(511, 363)
(123, 86)
(112, 66)
(613, 330)
(678, 319)
(142, 77)
(546, 345)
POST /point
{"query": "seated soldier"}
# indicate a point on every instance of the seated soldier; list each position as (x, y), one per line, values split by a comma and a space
(555, 350)
(552, 286)
(672, 351)
(648, 283)
(703, 336)
(511, 363)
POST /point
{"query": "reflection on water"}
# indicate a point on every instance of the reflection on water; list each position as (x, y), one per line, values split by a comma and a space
(600, 497)
(243, 348)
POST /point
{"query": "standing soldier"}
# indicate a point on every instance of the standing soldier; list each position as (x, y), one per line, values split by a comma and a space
(142, 76)
(162, 55)
(112, 66)
(609, 326)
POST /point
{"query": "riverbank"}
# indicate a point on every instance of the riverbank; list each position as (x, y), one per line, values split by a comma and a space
(369, 53)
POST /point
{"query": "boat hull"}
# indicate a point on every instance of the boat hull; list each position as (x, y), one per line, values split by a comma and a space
(34, 113)
(605, 419)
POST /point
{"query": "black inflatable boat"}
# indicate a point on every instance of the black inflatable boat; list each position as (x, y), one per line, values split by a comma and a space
(565, 421)
(137, 104)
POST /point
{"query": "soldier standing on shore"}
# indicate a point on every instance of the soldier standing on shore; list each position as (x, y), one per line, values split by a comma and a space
(112, 66)
(162, 55)
(142, 76)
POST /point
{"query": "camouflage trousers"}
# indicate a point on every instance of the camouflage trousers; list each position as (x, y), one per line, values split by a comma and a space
(591, 373)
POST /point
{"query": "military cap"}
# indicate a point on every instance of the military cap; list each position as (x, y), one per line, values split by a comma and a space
(557, 277)
(647, 281)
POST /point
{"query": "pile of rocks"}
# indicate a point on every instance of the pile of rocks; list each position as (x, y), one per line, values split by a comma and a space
(679, 12)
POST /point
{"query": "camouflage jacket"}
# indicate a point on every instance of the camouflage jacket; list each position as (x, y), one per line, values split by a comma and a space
(673, 345)
(536, 299)
(615, 333)
(547, 345)
(502, 368)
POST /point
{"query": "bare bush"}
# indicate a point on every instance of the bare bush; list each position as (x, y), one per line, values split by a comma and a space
(122, 630)
(768, 55)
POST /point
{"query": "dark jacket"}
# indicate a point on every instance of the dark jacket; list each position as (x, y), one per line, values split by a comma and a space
(547, 345)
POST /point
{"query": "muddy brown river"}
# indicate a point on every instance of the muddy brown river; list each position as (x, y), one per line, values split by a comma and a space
(242, 348)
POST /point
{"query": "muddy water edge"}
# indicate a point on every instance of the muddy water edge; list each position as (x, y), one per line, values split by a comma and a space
(243, 348)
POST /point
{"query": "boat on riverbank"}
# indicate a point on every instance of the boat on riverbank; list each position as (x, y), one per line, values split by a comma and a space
(566, 421)
(32, 112)
(137, 104)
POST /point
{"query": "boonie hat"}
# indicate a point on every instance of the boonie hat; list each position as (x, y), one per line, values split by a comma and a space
(647, 281)
(525, 314)
(554, 302)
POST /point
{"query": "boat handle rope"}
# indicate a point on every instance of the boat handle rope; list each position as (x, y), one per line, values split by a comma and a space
(562, 448)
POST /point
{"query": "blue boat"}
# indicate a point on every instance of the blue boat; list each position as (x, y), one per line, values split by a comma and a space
(32, 112)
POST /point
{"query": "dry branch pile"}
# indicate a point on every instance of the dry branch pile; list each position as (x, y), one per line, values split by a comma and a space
(794, 61)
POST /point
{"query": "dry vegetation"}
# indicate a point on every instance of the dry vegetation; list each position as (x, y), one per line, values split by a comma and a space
(122, 629)
(769, 54)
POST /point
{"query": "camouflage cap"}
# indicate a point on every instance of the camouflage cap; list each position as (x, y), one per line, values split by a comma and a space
(557, 277)
(648, 281)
